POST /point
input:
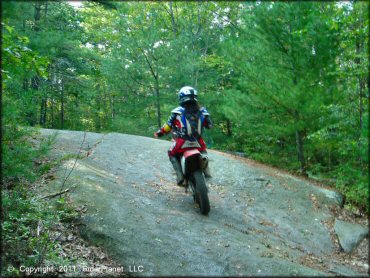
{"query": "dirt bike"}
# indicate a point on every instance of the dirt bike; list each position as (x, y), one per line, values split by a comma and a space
(193, 162)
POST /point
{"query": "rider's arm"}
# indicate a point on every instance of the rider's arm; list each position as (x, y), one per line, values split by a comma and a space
(207, 119)
(207, 122)
(167, 127)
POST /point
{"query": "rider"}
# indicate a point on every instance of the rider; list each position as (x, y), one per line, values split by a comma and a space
(186, 123)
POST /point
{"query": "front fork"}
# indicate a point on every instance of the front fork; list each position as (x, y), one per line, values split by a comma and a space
(203, 165)
(204, 160)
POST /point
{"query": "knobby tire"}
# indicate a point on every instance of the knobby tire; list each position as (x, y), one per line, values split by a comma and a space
(202, 192)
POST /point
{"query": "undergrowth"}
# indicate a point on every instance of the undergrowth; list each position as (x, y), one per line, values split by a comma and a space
(27, 220)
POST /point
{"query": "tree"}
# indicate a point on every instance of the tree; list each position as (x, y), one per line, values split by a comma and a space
(284, 82)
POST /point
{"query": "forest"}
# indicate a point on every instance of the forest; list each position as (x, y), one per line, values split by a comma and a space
(286, 83)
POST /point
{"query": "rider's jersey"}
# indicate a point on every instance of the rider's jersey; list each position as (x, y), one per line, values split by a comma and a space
(187, 125)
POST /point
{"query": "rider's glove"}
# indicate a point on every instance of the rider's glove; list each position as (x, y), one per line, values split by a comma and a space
(159, 133)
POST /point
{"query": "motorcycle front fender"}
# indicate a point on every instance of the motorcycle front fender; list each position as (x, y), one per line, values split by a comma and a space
(191, 161)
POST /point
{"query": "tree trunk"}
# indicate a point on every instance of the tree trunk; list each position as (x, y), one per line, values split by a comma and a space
(98, 120)
(43, 112)
(281, 142)
(361, 82)
(112, 109)
(37, 15)
(52, 113)
(228, 126)
(174, 26)
(62, 106)
(299, 137)
(35, 83)
(29, 115)
(158, 102)
(299, 144)
(155, 75)
(359, 44)
(46, 8)
(25, 84)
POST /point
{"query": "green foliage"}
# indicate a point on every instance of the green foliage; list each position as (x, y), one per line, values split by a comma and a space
(27, 221)
(19, 156)
(294, 55)
(285, 82)
(26, 230)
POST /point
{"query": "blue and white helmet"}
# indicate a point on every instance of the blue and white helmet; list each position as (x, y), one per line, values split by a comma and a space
(187, 93)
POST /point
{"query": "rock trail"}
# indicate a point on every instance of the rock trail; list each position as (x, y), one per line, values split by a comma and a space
(262, 221)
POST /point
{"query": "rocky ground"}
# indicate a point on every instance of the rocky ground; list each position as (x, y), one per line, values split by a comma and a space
(263, 221)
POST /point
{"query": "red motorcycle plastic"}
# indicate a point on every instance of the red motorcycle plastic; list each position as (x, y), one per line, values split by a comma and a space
(193, 162)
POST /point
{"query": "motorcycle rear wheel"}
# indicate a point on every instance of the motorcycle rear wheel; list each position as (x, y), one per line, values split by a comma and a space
(201, 192)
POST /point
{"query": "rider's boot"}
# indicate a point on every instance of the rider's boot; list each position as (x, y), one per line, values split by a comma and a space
(177, 166)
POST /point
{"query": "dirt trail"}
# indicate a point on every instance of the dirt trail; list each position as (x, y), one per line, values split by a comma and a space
(262, 221)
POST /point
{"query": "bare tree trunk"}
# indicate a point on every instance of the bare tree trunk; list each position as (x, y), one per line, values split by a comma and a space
(281, 143)
(53, 88)
(62, 105)
(361, 95)
(46, 8)
(360, 41)
(205, 31)
(228, 126)
(25, 84)
(37, 15)
(298, 132)
(299, 137)
(112, 108)
(199, 27)
(155, 75)
(158, 102)
(29, 115)
(52, 113)
(43, 112)
(361, 83)
(174, 26)
(98, 120)
(299, 144)
(36, 80)
(35, 83)
(105, 101)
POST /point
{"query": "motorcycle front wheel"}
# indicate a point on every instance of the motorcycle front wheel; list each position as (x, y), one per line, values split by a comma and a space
(201, 192)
